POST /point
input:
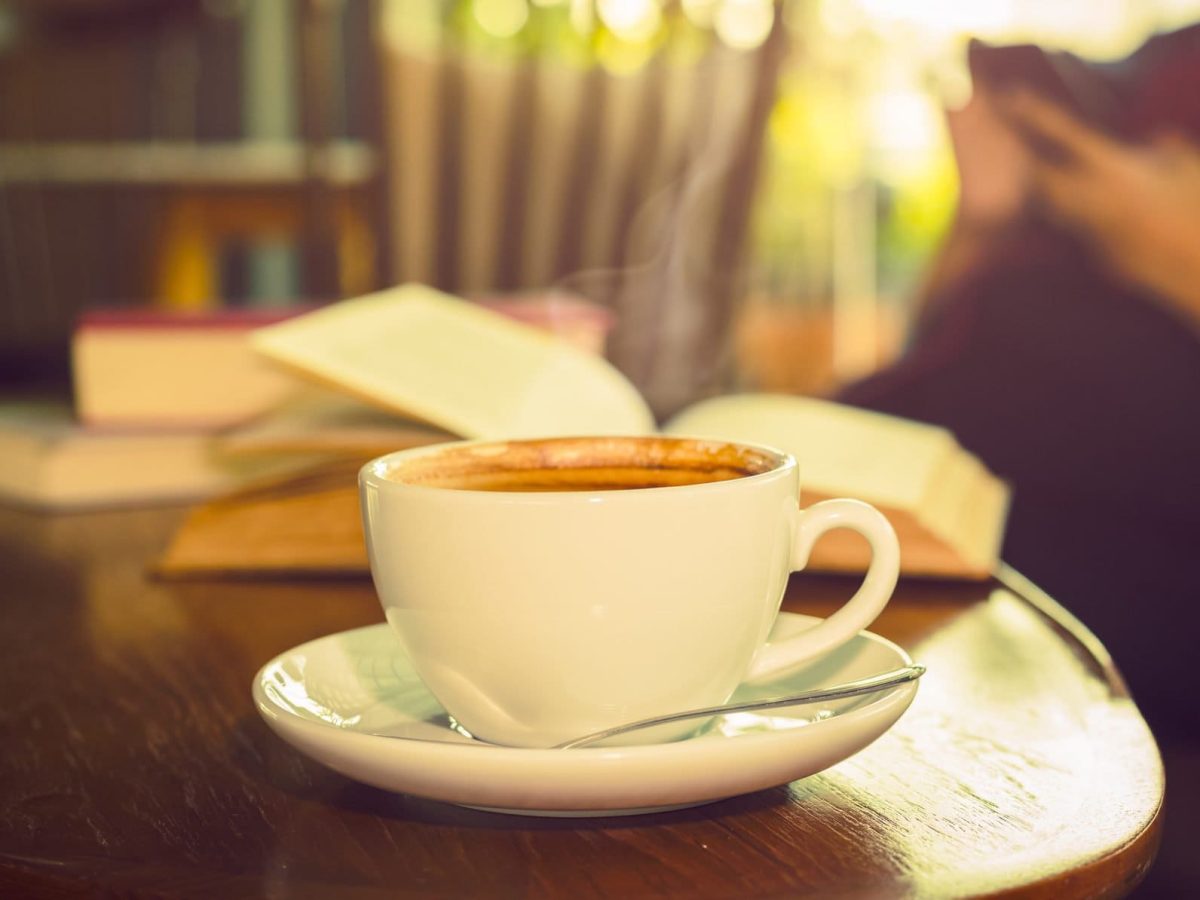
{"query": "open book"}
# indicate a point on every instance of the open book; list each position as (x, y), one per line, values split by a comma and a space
(441, 367)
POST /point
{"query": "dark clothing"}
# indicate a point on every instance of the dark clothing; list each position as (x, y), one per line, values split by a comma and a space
(1086, 398)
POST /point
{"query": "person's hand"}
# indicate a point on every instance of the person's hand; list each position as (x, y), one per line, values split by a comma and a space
(1137, 205)
(994, 163)
(995, 180)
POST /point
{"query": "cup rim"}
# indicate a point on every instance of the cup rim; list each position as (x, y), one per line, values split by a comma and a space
(372, 472)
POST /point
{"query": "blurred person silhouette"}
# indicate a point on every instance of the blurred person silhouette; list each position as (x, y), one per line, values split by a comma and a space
(1058, 336)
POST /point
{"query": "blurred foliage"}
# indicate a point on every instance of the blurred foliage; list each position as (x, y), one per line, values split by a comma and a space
(859, 103)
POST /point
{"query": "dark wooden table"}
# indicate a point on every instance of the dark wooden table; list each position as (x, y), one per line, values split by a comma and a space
(132, 761)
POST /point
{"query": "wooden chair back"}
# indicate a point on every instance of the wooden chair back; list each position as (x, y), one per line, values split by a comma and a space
(633, 190)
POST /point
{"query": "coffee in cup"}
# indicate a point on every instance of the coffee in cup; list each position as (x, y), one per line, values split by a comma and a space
(545, 589)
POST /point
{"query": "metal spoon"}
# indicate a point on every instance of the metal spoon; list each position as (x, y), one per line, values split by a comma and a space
(869, 685)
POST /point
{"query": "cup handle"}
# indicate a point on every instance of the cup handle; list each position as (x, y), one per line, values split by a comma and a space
(776, 659)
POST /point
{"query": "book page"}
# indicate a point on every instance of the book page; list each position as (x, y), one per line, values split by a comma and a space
(841, 450)
(456, 365)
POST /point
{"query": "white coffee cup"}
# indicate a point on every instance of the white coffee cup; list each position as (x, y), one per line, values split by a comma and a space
(546, 589)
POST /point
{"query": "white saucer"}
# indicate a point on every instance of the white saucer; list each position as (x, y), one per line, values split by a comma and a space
(332, 697)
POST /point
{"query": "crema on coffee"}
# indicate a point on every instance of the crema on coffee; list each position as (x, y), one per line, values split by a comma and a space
(584, 464)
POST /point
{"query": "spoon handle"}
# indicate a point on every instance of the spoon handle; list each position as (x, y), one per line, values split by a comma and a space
(870, 685)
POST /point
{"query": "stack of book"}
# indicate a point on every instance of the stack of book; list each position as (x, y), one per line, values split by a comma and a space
(152, 392)
(174, 407)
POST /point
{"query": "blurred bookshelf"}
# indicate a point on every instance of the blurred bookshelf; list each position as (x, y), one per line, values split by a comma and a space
(178, 153)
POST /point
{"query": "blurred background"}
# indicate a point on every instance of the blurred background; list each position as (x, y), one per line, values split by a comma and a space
(752, 187)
